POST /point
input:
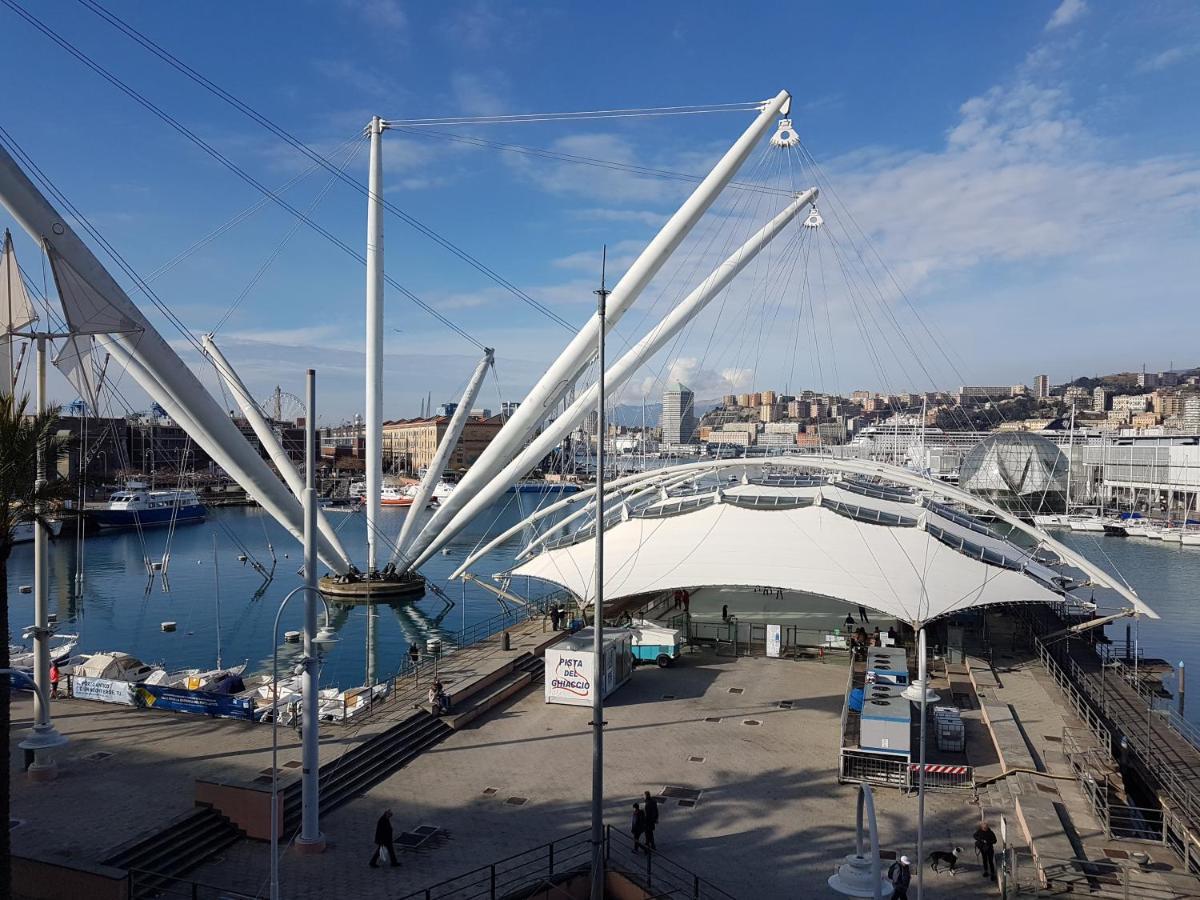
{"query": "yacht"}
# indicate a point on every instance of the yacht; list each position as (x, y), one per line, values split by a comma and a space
(136, 506)
(441, 491)
(1085, 523)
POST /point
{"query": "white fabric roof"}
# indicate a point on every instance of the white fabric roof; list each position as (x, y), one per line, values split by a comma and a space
(900, 571)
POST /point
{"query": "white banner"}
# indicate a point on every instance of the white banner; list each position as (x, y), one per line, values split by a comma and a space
(774, 640)
(106, 690)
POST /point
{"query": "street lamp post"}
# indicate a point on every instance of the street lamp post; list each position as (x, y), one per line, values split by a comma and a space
(322, 638)
(44, 736)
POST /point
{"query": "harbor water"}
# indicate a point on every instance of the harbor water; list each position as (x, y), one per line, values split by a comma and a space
(118, 607)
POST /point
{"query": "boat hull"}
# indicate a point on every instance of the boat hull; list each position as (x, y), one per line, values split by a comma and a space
(147, 518)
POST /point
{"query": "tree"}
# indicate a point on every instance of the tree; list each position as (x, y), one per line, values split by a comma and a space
(22, 437)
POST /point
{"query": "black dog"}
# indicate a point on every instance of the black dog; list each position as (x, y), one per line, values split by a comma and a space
(939, 858)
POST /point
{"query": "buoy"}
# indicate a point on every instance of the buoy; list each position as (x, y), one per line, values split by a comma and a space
(292, 637)
(168, 626)
(25, 589)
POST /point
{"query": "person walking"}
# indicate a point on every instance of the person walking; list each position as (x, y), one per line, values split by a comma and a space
(651, 820)
(554, 618)
(637, 826)
(900, 875)
(985, 846)
(53, 681)
(383, 840)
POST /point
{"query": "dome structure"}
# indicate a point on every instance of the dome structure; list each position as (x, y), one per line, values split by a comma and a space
(814, 530)
(1022, 472)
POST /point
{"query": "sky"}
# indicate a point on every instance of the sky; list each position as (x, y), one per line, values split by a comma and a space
(1007, 189)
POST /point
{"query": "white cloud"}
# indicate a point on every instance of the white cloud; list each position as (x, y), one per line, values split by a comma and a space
(383, 14)
(1067, 12)
(1167, 58)
(480, 93)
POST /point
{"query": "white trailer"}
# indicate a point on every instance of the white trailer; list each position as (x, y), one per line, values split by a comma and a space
(571, 670)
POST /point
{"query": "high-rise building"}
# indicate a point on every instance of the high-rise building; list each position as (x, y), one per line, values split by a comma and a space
(678, 415)
(1100, 398)
(767, 397)
(744, 399)
(729, 401)
(1041, 386)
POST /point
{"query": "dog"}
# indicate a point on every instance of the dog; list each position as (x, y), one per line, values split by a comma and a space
(940, 859)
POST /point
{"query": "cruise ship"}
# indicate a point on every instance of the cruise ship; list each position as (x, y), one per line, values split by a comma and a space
(137, 506)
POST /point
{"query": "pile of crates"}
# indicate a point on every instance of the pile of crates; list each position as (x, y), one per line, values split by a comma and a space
(948, 729)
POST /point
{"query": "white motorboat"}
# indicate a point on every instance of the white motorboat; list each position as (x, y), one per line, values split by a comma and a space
(61, 647)
(202, 679)
(1085, 523)
(114, 666)
(350, 702)
(1190, 537)
(1050, 520)
(441, 491)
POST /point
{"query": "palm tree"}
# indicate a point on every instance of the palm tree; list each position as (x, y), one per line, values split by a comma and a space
(23, 436)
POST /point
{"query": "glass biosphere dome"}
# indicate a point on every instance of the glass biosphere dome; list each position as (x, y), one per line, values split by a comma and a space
(1020, 471)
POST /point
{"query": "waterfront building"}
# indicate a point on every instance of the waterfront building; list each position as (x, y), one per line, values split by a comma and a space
(1041, 386)
(678, 415)
(983, 393)
(409, 444)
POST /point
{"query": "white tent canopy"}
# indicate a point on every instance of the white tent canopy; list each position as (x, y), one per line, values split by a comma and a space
(892, 544)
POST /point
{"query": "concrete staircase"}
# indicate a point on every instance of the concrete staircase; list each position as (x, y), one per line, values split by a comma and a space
(484, 695)
(360, 769)
(185, 843)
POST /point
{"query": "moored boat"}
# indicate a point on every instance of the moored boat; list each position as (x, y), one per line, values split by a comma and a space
(139, 507)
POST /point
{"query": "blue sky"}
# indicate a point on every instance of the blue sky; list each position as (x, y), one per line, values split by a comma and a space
(1027, 171)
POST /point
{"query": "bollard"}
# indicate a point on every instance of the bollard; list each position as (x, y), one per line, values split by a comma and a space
(505, 641)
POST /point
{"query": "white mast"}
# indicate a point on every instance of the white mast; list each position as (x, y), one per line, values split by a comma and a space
(581, 350)
(1071, 456)
(621, 371)
(93, 302)
(373, 408)
(442, 455)
(264, 433)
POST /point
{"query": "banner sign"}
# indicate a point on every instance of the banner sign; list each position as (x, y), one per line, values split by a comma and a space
(106, 690)
(774, 640)
(202, 703)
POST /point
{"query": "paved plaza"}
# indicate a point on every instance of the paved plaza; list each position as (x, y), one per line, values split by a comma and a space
(771, 821)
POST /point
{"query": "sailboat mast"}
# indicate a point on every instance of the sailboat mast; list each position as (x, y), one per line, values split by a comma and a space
(1070, 456)
(373, 406)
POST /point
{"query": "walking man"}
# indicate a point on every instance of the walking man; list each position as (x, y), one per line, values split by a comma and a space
(900, 875)
(383, 840)
(637, 826)
(985, 846)
(651, 820)
(554, 618)
(53, 681)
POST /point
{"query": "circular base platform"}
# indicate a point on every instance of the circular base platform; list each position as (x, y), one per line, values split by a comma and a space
(376, 589)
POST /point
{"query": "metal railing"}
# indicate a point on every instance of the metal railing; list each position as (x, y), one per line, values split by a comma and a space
(143, 883)
(558, 860)
(660, 876)
(1104, 879)
(901, 772)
